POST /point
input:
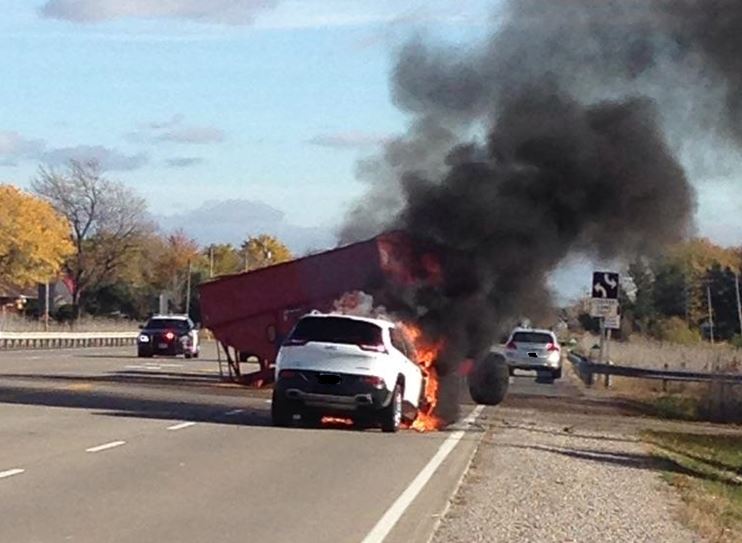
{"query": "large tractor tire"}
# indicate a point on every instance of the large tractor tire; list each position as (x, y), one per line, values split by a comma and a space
(488, 382)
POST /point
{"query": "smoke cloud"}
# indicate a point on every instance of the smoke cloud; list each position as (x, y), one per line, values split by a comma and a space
(556, 135)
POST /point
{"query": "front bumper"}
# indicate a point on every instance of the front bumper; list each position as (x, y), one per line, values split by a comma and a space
(350, 393)
(166, 348)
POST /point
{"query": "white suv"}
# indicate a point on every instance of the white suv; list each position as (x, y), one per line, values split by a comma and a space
(342, 365)
(532, 349)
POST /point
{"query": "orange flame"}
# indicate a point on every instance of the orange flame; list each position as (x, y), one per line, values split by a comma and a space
(426, 356)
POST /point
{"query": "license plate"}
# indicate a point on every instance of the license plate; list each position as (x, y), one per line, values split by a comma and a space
(329, 379)
(162, 345)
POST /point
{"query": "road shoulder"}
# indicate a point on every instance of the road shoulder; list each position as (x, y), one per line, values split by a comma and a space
(541, 476)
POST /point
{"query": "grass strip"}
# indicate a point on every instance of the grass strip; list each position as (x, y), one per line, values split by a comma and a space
(707, 471)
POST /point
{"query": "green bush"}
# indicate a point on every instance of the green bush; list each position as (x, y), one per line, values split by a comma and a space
(675, 330)
(736, 341)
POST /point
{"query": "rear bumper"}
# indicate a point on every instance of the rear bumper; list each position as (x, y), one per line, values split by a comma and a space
(533, 363)
(350, 394)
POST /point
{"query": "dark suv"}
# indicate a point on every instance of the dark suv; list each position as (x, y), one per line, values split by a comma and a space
(168, 335)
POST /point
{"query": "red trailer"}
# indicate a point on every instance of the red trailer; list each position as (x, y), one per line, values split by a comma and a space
(250, 313)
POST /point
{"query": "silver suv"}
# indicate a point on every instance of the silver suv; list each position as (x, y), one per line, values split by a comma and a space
(533, 349)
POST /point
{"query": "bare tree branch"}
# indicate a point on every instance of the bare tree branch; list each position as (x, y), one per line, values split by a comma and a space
(107, 219)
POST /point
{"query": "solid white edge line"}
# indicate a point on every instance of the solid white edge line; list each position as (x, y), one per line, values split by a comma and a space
(11, 472)
(105, 446)
(181, 425)
(455, 492)
(392, 515)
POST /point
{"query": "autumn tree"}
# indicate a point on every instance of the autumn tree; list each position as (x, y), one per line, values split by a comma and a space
(107, 219)
(222, 259)
(676, 286)
(264, 250)
(176, 258)
(721, 283)
(682, 277)
(34, 238)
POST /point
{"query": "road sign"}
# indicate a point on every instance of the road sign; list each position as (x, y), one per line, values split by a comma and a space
(600, 307)
(605, 285)
(612, 322)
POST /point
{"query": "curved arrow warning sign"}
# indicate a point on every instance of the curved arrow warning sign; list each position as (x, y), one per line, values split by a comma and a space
(605, 285)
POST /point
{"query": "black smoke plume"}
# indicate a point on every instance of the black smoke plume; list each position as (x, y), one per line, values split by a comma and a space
(551, 138)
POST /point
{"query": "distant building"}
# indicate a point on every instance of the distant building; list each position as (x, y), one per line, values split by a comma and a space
(13, 298)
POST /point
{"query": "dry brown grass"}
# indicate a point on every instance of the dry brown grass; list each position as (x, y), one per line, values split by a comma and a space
(649, 353)
(671, 399)
(15, 323)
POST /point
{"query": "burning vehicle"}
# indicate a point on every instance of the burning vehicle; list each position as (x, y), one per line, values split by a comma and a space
(336, 364)
(254, 314)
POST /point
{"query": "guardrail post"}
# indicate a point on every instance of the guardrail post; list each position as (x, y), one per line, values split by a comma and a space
(589, 375)
(664, 381)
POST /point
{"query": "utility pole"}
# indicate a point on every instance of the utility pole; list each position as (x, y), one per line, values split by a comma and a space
(739, 303)
(188, 290)
(711, 313)
(211, 261)
(46, 307)
(686, 297)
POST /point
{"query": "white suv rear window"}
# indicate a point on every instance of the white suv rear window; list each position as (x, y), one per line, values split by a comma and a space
(532, 337)
(335, 330)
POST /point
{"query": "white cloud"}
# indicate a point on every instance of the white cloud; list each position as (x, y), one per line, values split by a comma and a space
(173, 130)
(14, 146)
(183, 161)
(193, 134)
(108, 158)
(232, 12)
(175, 120)
(239, 218)
(348, 140)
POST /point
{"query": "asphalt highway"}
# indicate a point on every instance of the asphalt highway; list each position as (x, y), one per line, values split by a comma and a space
(100, 446)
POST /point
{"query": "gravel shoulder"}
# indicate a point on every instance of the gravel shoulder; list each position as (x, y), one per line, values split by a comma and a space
(546, 475)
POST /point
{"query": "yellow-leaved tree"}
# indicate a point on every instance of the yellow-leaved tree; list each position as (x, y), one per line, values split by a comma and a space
(264, 250)
(34, 238)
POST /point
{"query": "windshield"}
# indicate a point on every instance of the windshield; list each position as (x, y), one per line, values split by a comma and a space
(167, 324)
(532, 337)
(336, 330)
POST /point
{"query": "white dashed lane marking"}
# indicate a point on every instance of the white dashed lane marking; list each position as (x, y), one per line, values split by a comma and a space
(234, 412)
(181, 426)
(105, 446)
(11, 472)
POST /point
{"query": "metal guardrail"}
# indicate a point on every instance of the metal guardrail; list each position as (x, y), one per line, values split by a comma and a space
(61, 340)
(586, 370)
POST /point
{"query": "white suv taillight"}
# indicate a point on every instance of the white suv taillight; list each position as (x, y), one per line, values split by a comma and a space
(373, 380)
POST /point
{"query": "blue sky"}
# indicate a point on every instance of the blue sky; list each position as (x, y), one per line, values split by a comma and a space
(186, 107)
(272, 101)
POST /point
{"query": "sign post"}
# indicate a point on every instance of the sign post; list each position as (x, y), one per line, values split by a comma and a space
(604, 305)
